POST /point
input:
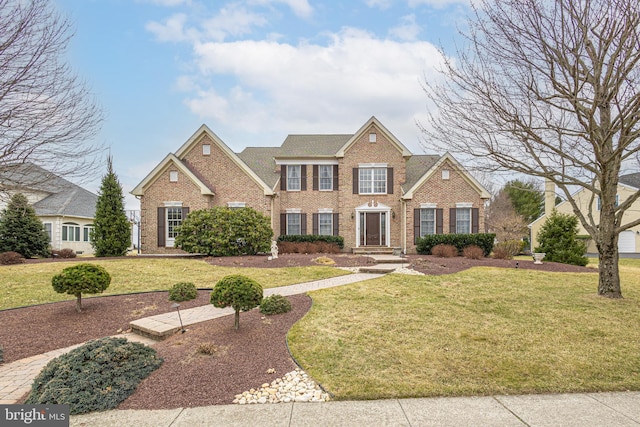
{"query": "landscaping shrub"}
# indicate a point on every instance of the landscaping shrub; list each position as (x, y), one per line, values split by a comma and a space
(444, 251)
(63, 253)
(473, 252)
(183, 291)
(10, 258)
(312, 238)
(237, 291)
(207, 349)
(507, 249)
(323, 260)
(275, 304)
(425, 244)
(308, 248)
(558, 239)
(222, 231)
(87, 278)
(95, 376)
(21, 230)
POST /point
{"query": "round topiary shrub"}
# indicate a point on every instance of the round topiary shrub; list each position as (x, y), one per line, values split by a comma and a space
(95, 376)
(183, 291)
(87, 278)
(237, 291)
(275, 304)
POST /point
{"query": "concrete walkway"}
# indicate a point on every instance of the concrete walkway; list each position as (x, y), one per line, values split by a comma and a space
(567, 410)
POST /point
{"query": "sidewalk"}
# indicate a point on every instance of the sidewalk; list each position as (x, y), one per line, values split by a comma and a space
(567, 410)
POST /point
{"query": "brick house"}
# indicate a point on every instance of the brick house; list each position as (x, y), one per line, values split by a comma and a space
(366, 187)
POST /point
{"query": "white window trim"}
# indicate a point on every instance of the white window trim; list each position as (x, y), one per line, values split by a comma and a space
(445, 174)
(330, 178)
(373, 165)
(330, 213)
(464, 205)
(325, 210)
(433, 231)
(468, 208)
(428, 205)
(299, 214)
(373, 137)
(173, 176)
(206, 149)
(293, 210)
(236, 204)
(294, 162)
(372, 181)
(170, 241)
(171, 204)
(288, 176)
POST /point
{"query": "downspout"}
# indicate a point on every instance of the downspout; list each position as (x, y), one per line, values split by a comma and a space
(403, 204)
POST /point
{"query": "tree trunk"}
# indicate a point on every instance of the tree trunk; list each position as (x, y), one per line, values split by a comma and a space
(79, 302)
(237, 322)
(609, 274)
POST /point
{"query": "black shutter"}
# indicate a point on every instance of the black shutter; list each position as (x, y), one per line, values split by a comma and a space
(315, 178)
(336, 224)
(303, 223)
(161, 227)
(475, 220)
(439, 221)
(335, 178)
(416, 225)
(283, 177)
(452, 220)
(283, 224)
(314, 221)
(303, 178)
(356, 190)
(389, 180)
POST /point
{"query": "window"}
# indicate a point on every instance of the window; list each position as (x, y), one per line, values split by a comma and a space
(325, 224)
(174, 220)
(373, 180)
(372, 137)
(70, 232)
(86, 232)
(445, 174)
(47, 229)
(599, 203)
(294, 225)
(427, 221)
(293, 178)
(173, 176)
(206, 149)
(326, 177)
(463, 220)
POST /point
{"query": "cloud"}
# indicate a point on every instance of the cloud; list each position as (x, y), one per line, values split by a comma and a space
(172, 30)
(439, 4)
(408, 30)
(381, 4)
(282, 87)
(168, 3)
(300, 8)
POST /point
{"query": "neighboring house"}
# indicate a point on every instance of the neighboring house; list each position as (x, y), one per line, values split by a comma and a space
(628, 240)
(366, 187)
(66, 210)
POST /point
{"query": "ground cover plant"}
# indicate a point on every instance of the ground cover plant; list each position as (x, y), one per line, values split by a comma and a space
(478, 332)
(29, 284)
(95, 376)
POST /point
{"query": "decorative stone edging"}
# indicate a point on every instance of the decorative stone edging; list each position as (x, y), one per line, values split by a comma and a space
(295, 386)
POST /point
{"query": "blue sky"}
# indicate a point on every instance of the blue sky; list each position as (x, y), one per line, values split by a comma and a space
(253, 70)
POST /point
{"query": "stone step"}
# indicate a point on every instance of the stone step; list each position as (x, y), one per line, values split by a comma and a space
(367, 250)
(380, 268)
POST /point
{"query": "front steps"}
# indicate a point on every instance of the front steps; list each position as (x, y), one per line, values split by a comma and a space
(375, 250)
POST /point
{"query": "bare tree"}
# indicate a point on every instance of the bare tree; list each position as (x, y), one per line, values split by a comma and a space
(550, 89)
(503, 220)
(47, 114)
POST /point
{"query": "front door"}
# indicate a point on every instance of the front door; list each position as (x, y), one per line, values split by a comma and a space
(373, 228)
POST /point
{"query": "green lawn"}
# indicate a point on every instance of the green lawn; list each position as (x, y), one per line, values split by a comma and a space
(29, 284)
(482, 331)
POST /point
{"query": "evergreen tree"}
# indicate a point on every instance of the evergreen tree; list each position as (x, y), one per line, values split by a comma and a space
(111, 234)
(558, 238)
(21, 230)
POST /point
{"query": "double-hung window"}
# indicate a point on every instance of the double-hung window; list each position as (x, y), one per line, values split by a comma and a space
(86, 232)
(293, 178)
(463, 220)
(427, 221)
(372, 180)
(48, 230)
(325, 224)
(326, 177)
(294, 225)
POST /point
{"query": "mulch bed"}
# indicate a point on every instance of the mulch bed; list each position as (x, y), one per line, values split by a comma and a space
(241, 358)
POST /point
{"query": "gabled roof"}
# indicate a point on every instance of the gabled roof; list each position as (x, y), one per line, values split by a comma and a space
(62, 198)
(373, 121)
(171, 159)
(312, 145)
(484, 194)
(417, 166)
(260, 160)
(631, 180)
(184, 149)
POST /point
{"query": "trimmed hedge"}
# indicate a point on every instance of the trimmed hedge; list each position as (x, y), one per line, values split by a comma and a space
(312, 238)
(275, 304)
(183, 291)
(460, 241)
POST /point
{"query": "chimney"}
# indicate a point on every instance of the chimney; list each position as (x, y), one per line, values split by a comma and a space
(549, 196)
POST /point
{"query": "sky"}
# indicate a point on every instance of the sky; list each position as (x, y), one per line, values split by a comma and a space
(254, 71)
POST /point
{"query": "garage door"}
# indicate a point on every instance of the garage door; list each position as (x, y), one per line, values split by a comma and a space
(627, 242)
